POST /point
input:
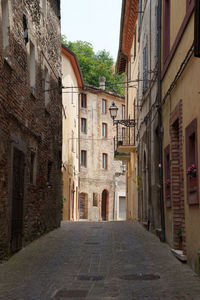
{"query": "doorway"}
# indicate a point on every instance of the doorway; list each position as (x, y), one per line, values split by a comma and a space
(104, 205)
(17, 200)
(82, 206)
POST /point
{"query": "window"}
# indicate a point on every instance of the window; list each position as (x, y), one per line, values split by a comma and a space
(166, 29)
(83, 125)
(83, 158)
(145, 69)
(139, 17)
(5, 22)
(105, 161)
(167, 176)
(104, 106)
(104, 130)
(46, 86)
(33, 168)
(83, 100)
(192, 163)
(123, 112)
(32, 68)
(95, 199)
(135, 43)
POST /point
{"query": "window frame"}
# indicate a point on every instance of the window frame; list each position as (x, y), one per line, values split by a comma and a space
(192, 192)
(104, 106)
(105, 161)
(83, 100)
(104, 130)
(83, 125)
(84, 158)
(95, 200)
(145, 68)
(166, 29)
(123, 111)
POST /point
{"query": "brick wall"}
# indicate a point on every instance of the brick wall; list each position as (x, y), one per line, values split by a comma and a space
(25, 122)
(177, 179)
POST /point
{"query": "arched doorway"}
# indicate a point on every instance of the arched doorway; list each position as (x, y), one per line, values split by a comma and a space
(104, 205)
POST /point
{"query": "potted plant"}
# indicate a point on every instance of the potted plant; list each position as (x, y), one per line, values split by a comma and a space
(192, 175)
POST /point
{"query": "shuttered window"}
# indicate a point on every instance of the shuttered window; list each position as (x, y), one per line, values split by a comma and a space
(145, 68)
(166, 29)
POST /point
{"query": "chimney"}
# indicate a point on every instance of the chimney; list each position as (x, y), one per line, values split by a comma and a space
(102, 82)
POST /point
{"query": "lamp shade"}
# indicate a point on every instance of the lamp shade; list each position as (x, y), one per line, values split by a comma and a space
(113, 110)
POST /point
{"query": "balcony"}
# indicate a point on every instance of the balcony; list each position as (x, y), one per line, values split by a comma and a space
(124, 142)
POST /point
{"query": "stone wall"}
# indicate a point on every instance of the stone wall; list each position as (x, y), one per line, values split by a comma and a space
(27, 124)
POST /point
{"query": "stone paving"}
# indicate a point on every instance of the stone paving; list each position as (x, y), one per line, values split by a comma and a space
(97, 261)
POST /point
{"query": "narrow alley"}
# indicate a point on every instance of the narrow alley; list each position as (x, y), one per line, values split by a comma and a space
(105, 260)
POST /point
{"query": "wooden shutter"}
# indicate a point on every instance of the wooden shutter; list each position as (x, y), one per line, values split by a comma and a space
(197, 29)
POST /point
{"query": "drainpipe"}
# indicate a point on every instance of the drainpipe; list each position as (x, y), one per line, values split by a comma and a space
(160, 126)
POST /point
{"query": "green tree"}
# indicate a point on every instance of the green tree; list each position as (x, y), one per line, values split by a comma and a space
(93, 65)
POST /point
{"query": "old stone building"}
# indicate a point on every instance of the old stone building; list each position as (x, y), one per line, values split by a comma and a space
(102, 180)
(30, 121)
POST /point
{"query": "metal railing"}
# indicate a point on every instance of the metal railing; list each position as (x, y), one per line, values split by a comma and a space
(125, 136)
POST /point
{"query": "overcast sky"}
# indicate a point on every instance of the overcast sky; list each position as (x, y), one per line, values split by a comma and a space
(94, 21)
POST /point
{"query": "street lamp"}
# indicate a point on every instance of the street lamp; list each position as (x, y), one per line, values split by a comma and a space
(113, 111)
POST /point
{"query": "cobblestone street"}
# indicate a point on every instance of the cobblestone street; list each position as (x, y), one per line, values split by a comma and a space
(116, 260)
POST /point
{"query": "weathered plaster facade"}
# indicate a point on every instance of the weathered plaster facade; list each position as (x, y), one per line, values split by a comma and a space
(128, 63)
(71, 79)
(100, 185)
(31, 128)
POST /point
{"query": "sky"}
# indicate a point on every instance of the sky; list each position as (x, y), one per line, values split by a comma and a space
(94, 21)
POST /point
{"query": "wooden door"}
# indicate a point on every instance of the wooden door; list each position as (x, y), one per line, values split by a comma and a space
(104, 205)
(82, 206)
(17, 200)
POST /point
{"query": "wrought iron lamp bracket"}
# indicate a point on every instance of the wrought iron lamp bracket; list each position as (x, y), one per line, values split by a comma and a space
(127, 123)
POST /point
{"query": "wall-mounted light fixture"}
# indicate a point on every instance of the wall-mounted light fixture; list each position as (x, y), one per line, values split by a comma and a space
(113, 113)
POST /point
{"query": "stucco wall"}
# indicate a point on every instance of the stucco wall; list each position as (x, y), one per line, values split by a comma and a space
(93, 178)
(187, 90)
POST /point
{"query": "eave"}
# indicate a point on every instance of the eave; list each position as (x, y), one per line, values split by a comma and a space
(129, 16)
(74, 62)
